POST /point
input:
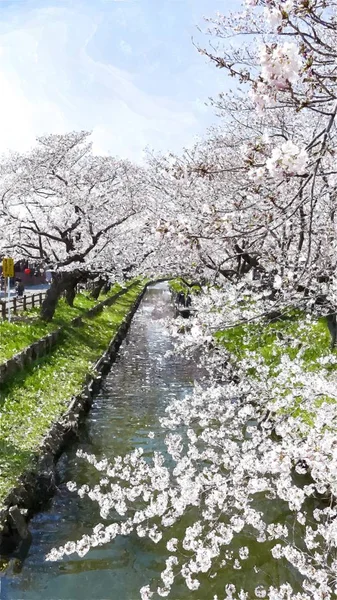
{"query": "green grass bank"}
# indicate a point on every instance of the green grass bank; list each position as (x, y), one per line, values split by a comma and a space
(29, 328)
(297, 337)
(39, 395)
(295, 333)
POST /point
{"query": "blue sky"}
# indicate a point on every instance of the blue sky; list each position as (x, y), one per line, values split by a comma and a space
(125, 69)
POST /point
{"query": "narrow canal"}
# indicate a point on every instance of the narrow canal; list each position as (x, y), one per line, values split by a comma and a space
(132, 399)
(128, 407)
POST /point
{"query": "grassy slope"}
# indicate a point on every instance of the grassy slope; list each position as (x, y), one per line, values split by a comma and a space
(290, 336)
(39, 395)
(16, 336)
(294, 332)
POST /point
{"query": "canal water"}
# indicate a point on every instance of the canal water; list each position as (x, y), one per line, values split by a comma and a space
(132, 399)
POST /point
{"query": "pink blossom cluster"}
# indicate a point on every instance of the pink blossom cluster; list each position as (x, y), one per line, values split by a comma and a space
(280, 64)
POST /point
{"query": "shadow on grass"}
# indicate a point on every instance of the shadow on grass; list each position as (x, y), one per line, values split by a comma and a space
(92, 333)
(28, 326)
(14, 454)
(18, 379)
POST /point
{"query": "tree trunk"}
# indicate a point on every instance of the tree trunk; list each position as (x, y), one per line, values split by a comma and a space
(106, 287)
(52, 297)
(71, 292)
(332, 326)
(70, 282)
(97, 287)
(61, 282)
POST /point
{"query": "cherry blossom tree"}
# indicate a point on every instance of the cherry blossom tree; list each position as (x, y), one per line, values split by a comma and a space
(259, 194)
(290, 63)
(63, 206)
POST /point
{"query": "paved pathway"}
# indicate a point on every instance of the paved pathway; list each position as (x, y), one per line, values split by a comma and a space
(29, 289)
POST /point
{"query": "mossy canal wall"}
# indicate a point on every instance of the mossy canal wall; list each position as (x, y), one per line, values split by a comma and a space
(38, 484)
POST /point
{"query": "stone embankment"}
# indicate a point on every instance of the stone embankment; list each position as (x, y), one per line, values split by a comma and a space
(43, 346)
(38, 485)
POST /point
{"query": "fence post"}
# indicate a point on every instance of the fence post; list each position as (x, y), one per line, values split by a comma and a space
(25, 303)
(14, 306)
(3, 310)
(33, 300)
(40, 298)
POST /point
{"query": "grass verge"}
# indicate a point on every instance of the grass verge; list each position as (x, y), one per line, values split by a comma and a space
(17, 335)
(299, 338)
(39, 395)
(296, 333)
